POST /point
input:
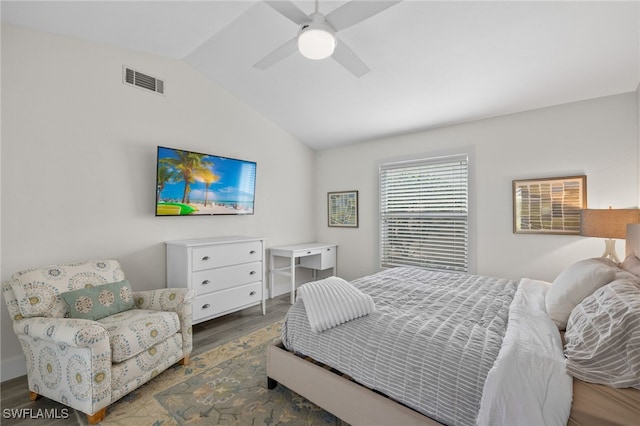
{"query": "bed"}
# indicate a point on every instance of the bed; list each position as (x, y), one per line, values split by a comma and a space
(492, 351)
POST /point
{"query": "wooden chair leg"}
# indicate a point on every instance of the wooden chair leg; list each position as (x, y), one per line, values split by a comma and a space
(93, 419)
(184, 361)
(97, 417)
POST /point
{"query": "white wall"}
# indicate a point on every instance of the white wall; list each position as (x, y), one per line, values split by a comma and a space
(78, 168)
(79, 152)
(598, 138)
(638, 129)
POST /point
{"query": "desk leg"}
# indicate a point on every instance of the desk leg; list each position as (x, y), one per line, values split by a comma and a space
(293, 279)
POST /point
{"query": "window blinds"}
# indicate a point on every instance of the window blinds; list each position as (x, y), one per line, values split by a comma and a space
(424, 213)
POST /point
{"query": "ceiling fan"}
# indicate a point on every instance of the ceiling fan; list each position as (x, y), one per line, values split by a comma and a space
(316, 38)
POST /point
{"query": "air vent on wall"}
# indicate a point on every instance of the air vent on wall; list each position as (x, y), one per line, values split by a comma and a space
(144, 81)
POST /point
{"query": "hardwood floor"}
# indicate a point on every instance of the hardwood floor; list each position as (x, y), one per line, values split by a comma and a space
(14, 394)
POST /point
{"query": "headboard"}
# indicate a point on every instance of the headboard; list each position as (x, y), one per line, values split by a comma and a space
(633, 239)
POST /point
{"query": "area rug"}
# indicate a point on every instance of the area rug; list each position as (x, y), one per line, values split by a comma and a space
(225, 386)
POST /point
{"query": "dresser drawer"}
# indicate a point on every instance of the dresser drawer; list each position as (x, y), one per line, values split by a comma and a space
(226, 300)
(226, 255)
(221, 278)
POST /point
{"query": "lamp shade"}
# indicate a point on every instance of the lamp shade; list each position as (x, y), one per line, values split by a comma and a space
(607, 223)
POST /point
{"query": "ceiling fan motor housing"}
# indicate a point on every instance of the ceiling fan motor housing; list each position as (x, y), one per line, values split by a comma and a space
(316, 39)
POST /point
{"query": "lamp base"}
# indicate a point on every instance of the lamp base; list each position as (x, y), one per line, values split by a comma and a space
(610, 250)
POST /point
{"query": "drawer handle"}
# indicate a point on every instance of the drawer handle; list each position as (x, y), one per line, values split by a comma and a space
(252, 252)
(206, 259)
(252, 273)
(253, 293)
(207, 306)
(205, 282)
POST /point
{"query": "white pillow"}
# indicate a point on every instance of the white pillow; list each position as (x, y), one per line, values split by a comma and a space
(574, 284)
(603, 336)
(631, 264)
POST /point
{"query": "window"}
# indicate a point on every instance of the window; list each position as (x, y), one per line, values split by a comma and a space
(424, 213)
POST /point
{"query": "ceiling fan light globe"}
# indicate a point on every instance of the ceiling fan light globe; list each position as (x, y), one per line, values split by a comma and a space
(316, 43)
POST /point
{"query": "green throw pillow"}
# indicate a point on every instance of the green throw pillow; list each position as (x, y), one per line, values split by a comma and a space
(99, 301)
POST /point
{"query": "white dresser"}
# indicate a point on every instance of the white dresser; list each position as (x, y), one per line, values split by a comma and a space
(227, 273)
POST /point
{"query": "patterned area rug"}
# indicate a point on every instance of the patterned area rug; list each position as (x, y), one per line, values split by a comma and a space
(227, 386)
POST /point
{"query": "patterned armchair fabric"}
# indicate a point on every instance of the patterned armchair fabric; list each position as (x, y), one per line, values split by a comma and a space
(88, 364)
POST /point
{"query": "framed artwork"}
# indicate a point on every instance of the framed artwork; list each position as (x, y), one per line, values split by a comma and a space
(343, 209)
(549, 205)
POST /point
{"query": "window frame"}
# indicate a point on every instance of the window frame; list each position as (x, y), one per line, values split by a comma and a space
(471, 217)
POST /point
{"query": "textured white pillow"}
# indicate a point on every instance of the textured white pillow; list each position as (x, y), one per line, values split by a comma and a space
(603, 336)
(574, 284)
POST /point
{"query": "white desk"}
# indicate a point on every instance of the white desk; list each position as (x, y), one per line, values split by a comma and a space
(316, 256)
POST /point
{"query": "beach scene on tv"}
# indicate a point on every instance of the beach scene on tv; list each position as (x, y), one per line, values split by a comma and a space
(190, 183)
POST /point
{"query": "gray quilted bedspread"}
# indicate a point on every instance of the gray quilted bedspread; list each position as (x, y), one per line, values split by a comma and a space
(430, 343)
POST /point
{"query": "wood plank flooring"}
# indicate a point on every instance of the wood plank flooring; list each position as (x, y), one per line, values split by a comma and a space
(14, 394)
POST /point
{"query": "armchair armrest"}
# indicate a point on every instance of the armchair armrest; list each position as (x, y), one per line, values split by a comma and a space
(79, 333)
(69, 348)
(178, 300)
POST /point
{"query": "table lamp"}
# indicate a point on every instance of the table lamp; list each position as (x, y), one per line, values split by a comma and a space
(608, 223)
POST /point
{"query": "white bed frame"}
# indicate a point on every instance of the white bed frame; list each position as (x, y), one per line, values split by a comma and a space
(349, 401)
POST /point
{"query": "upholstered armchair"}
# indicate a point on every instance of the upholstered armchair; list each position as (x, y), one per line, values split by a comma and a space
(88, 339)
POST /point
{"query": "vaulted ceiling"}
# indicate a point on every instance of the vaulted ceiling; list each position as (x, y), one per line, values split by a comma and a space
(432, 63)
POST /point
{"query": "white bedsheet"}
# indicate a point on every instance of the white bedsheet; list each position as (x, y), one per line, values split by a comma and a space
(528, 384)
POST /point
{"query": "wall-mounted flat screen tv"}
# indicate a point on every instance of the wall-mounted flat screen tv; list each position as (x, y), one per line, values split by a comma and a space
(193, 184)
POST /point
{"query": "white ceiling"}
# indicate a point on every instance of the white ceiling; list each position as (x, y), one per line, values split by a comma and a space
(433, 63)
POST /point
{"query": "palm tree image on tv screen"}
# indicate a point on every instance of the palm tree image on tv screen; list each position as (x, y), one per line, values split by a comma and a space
(191, 183)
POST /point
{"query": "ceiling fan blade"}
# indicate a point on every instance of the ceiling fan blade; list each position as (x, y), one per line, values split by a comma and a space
(289, 10)
(279, 54)
(345, 57)
(357, 11)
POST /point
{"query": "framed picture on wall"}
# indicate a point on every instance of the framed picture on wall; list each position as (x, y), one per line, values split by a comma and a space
(343, 209)
(549, 205)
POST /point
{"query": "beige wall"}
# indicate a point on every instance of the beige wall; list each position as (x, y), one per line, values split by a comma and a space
(79, 152)
(598, 138)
